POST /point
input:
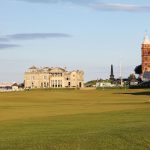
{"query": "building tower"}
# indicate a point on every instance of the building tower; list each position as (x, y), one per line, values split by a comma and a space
(112, 74)
(146, 55)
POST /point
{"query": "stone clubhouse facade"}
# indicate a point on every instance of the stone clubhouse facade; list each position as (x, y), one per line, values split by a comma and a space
(53, 78)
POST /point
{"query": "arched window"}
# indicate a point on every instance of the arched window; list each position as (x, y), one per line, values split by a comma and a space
(145, 69)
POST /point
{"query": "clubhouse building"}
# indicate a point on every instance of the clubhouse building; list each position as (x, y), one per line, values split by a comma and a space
(53, 78)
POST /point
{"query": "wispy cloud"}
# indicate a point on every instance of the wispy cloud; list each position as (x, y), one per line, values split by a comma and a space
(60, 1)
(97, 5)
(6, 46)
(120, 7)
(27, 36)
(32, 36)
(3, 39)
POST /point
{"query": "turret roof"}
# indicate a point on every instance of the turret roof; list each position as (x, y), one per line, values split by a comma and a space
(146, 40)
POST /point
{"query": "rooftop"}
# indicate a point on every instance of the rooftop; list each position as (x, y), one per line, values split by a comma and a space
(146, 40)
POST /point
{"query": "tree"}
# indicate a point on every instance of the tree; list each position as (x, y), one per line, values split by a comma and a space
(138, 69)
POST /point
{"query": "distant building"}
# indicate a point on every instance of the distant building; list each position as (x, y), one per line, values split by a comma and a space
(105, 84)
(146, 59)
(146, 76)
(8, 87)
(144, 69)
(53, 78)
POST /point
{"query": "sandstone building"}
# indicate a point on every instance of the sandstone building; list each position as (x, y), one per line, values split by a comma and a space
(53, 78)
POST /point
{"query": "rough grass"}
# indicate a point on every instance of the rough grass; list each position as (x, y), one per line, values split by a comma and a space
(75, 120)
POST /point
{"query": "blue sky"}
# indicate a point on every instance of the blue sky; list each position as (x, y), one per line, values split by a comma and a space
(78, 34)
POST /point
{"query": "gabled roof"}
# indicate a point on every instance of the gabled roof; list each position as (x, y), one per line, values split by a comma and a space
(8, 84)
(57, 69)
(33, 67)
(46, 68)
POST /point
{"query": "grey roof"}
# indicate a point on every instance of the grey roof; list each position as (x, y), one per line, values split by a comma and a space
(46, 68)
(146, 75)
(33, 67)
(58, 69)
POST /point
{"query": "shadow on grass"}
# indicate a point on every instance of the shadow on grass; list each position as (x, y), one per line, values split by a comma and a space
(147, 93)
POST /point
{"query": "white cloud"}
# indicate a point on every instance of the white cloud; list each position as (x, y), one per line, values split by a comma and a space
(96, 4)
(120, 7)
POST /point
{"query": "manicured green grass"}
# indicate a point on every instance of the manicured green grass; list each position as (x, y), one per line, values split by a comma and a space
(75, 120)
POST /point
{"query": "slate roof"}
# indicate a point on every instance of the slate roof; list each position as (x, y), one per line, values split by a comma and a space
(146, 75)
(33, 67)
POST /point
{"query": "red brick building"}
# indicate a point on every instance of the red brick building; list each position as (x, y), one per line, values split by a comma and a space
(146, 55)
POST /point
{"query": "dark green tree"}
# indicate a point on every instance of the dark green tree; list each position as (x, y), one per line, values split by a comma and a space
(138, 69)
